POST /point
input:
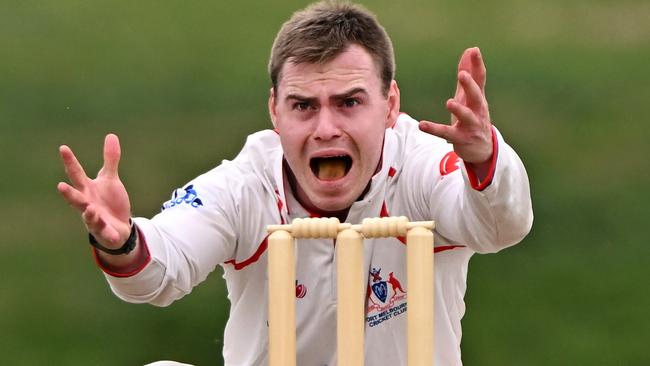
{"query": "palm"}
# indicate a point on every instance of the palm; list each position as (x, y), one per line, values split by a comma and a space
(109, 195)
(103, 201)
(470, 129)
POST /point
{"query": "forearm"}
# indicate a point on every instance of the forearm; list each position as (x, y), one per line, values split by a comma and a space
(502, 210)
(486, 213)
(182, 251)
(144, 276)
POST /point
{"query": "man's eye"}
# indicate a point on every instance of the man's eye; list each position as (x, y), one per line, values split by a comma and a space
(350, 102)
(301, 106)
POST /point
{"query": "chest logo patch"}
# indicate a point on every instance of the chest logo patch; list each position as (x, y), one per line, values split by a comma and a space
(379, 287)
(385, 298)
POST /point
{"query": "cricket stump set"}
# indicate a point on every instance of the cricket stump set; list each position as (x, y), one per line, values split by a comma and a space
(351, 286)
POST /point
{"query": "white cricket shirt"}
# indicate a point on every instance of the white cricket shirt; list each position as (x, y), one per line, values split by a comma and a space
(219, 218)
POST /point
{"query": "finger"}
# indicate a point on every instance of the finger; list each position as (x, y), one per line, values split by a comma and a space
(112, 154)
(479, 71)
(465, 63)
(93, 220)
(438, 129)
(74, 198)
(472, 62)
(474, 97)
(99, 227)
(462, 113)
(111, 235)
(73, 168)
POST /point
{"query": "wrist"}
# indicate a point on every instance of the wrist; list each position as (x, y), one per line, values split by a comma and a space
(123, 266)
(480, 170)
(126, 248)
(481, 175)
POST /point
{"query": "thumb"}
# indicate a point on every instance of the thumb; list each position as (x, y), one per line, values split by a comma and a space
(112, 153)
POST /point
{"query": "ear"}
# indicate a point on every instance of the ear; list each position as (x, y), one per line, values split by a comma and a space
(272, 111)
(393, 104)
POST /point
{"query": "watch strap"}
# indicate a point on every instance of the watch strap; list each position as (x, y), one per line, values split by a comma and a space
(128, 246)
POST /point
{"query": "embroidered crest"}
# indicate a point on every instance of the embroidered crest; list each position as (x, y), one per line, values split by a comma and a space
(381, 290)
(381, 306)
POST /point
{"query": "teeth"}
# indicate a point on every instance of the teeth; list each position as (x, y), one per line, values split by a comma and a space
(331, 169)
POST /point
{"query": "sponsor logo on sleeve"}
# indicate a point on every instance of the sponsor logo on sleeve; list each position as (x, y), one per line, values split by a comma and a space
(187, 195)
(449, 163)
(301, 290)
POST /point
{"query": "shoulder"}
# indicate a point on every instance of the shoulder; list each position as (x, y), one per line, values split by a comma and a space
(260, 147)
(408, 146)
(407, 129)
(249, 176)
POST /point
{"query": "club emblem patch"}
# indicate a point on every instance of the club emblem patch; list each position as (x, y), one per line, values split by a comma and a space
(379, 287)
(381, 290)
(384, 302)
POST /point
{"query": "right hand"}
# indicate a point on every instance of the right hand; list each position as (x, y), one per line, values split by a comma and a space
(471, 128)
(103, 202)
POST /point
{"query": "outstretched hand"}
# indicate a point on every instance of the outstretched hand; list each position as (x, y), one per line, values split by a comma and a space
(103, 202)
(471, 129)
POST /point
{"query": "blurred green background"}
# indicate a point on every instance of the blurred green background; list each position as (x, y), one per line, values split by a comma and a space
(183, 82)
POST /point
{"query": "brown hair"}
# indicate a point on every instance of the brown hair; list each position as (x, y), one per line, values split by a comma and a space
(323, 30)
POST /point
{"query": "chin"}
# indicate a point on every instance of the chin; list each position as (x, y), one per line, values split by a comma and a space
(334, 204)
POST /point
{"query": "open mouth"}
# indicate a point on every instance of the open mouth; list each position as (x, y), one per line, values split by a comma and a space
(331, 167)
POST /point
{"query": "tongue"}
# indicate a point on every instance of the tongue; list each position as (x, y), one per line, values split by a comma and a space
(331, 169)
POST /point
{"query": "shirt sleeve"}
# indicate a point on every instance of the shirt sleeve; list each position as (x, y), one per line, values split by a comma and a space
(484, 216)
(194, 233)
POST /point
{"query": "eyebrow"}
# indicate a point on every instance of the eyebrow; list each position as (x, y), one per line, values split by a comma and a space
(299, 97)
(341, 96)
(349, 93)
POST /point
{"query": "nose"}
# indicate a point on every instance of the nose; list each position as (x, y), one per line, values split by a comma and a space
(326, 127)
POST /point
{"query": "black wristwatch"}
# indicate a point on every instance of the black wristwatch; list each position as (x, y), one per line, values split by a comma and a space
(128, 246)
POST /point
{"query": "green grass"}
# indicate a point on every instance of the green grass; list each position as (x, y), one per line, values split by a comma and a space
(184, 83)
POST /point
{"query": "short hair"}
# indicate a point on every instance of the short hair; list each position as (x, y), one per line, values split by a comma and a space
(325, 29)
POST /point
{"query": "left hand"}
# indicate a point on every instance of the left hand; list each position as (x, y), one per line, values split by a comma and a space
(471, 130)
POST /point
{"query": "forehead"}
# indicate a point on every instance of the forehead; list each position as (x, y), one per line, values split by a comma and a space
(352, 68)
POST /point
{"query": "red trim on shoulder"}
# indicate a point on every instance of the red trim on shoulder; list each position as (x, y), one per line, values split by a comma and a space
(254, 258)
(144, 257)
(473, 179)
(391, 172)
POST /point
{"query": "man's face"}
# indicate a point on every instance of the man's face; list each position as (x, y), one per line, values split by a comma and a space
(331, 118)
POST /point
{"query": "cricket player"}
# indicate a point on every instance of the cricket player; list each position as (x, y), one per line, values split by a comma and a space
(339, 147)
